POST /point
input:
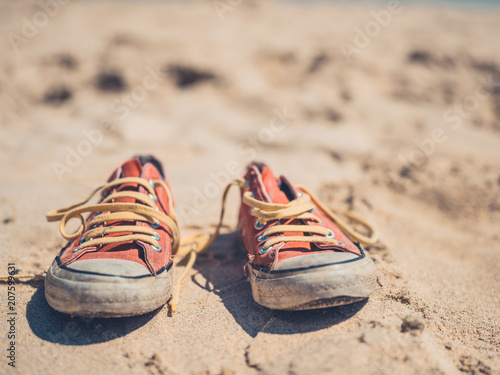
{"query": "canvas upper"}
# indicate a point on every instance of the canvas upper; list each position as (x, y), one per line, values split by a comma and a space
(144, 253)
(267, 188)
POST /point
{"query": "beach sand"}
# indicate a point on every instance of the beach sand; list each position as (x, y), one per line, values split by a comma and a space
(207, 90)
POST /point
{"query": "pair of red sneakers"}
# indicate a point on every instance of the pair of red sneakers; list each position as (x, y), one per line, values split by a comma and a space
(120, 260)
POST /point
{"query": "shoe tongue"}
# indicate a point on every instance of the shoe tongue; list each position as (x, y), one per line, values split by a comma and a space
(131, 168)
(272, 187)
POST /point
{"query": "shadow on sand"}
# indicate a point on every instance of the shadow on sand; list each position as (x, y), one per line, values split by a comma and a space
(53, 326)
(222, 270)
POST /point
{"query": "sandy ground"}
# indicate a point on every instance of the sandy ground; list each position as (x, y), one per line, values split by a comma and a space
(207, 92)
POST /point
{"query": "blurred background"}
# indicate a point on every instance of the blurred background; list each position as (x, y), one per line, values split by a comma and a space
(390, 108)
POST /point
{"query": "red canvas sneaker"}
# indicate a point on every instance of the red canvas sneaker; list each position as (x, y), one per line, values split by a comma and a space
(302, 255)
(119, 261)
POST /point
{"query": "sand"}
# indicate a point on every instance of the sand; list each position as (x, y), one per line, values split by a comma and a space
(207, 90)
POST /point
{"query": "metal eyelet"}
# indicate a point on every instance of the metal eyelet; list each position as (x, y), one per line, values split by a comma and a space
(153, 197)
(341, 243)
(151, 183)
(313, 211)
(259, 226)
(157, 249)
(263, 250)
(261, 238)
(330, 234)
(299, 193)
(82, 240)
(155, 225)
(156, 236)
(321, 223)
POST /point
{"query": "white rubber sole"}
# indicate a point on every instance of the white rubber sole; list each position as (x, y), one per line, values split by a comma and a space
(314, 287)
(118, 298)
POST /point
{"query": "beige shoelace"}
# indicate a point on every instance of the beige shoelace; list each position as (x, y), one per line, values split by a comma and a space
(299, 208)
(144, 211)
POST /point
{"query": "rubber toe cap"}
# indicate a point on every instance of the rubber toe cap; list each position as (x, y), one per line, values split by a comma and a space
(101, 270)
(315, 260)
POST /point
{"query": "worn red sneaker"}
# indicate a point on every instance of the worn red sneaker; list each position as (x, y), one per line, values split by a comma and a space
(119, 261)
(302, 255)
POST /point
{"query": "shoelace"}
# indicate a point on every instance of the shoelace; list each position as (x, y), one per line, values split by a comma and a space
(302, 208)
(299, 208)
(146, 211)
